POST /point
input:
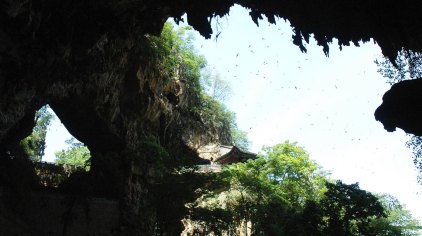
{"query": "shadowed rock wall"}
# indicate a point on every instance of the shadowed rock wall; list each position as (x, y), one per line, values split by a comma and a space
(110, 95)
(55, 214)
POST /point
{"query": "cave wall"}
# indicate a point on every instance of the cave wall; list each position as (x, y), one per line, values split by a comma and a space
(57, 214)
(105, 89)
(114, 101)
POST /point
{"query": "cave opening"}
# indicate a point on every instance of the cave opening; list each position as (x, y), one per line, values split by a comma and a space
(324, 103)
(54, 152)
(58, 139)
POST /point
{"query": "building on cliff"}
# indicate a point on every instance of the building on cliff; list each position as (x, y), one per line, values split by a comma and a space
(227, 155)
(232, 154)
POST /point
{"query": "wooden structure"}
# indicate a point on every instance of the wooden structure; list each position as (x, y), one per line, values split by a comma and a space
(228, 155)
(232, 154)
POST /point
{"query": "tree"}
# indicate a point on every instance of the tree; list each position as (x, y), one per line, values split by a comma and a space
(221, 89)
(34, 145)
(265, 195)
(289, 166)
(77, 154)
(398, 221)
(347, 210)
(216, 87)
(240, 138)
(408, 65)
(176, 57)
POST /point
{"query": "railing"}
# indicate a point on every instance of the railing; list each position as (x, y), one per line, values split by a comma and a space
(51, 174)
(209, 168)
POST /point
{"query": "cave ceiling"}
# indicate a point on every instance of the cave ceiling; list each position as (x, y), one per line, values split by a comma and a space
(392, 24)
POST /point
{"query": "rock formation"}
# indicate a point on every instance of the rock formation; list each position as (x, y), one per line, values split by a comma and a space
(402, 107)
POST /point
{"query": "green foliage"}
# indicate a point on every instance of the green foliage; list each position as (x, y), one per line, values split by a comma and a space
(398, 221)
(415, 142)
(289, 165)
(77, 154)
(176, 56)
(158, 157)
(347, 210)
(216, 114)
(344, 210)
(283, 192)
(215, 92)
(34, 145)
(240, 138)
(215, 220)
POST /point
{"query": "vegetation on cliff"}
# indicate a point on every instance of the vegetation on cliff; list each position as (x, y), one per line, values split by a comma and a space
(179, 60)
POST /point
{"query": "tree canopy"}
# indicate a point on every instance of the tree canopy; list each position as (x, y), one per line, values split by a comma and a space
(34, 145)
(216, 87)
(399, 220)
(77, 154)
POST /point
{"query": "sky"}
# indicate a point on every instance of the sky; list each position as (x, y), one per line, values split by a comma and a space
(325, 104)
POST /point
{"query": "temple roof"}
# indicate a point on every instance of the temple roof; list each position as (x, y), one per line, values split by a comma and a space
(232, 154)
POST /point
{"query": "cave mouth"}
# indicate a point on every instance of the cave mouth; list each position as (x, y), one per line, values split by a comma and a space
(54, 152)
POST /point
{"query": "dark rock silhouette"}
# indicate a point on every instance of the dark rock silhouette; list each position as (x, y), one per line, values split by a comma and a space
(402, 107)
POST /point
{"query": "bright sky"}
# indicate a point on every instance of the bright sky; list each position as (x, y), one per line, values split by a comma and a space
(325, 104)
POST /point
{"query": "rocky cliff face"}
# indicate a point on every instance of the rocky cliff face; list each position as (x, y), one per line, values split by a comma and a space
(103, 83)
(114, 101)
